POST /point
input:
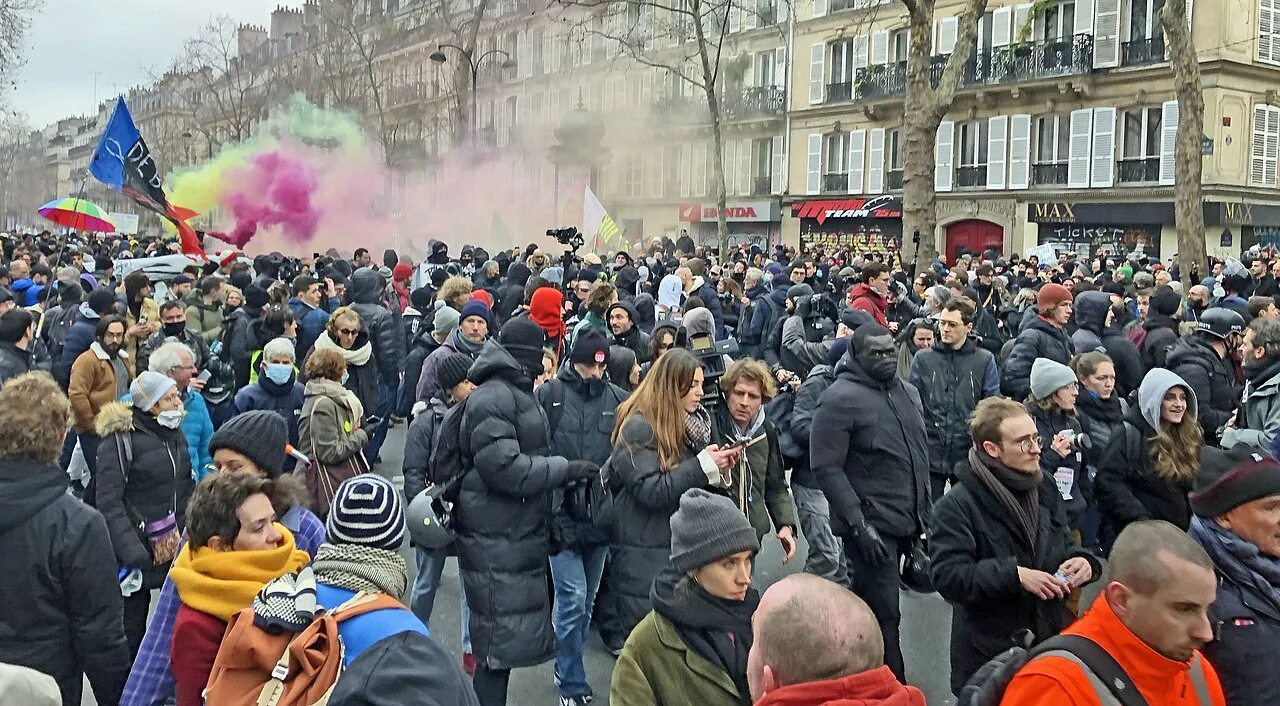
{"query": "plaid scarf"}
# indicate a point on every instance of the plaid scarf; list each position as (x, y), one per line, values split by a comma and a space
(697, 430)
(358, 568)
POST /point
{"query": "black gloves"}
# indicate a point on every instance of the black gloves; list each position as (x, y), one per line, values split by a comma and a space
(582, 470)
(866, 541)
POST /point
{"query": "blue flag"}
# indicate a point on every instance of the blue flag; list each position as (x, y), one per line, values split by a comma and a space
(123, 161)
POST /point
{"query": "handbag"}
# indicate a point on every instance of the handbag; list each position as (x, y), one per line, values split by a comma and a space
(323, 480)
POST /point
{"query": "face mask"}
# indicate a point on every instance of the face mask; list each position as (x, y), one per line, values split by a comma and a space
(279, 373)
(171, 418)
(345, 376)
(175, 329)
(880, 367)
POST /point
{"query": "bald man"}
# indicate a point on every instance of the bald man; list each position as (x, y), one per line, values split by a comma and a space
(816, 642)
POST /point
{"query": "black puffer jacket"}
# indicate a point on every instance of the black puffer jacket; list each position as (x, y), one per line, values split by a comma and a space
(869, 454)
(951, 383)
(1127, 487)
(820, 378)
(1211, 377)
(641, 544)
(503, 510)
(1037, 339)
(366, 288)
(1093, 333)
(155, 483)
(1162, 334)
(1101, 420)
(976, 550)
(419, 443)
(62, 602)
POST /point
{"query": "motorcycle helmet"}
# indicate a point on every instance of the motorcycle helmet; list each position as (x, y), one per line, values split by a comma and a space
(430, 519)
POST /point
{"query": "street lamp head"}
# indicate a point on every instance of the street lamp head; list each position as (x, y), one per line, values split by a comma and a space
(438, 57)
(508, 64)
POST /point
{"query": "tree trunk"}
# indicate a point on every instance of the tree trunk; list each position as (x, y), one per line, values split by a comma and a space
(717, 151)
(1188, 159)
(919, 127)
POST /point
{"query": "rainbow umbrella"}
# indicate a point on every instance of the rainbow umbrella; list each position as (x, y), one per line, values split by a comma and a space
(77, 214)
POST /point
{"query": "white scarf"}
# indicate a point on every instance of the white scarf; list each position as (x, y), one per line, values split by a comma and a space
(353, 356)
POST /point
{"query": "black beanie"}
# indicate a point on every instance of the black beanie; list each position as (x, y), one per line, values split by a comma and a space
(1165, 301)
(524, 340)
(590, 347)
(102, 301)
(260, 435)
(255, 296)
(452, 370)
(1229, 479)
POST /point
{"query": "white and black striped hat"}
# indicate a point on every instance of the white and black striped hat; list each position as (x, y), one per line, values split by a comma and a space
(367, 510)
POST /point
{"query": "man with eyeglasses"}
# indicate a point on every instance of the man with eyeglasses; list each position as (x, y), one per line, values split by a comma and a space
(1001, 552)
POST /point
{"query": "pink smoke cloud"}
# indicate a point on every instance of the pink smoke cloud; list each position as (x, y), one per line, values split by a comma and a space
(275, 190)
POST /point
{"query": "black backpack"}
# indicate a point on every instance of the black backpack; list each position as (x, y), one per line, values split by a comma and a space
(450, 459)
(589, 501)
(987, 686)
(770, 316)
(778, 410)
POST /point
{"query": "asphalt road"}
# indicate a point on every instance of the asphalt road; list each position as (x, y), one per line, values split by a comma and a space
(926, 622)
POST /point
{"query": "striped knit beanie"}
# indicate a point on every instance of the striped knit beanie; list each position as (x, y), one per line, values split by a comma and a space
(367, 511)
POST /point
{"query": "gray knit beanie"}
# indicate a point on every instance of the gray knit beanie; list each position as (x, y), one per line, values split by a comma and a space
(706, 528)
(445, 320)
(1049, 376)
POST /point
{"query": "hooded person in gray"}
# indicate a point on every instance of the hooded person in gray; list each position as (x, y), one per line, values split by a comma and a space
(1131, 486)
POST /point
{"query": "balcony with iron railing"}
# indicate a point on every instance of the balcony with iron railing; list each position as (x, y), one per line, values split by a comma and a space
(1143, 170)
(1141, 52)
(970, 176)
(751, 103)
(762, 185)
(1049, 174)
(1015, 63)
(838, 182)
(839, 92)
(894, 178)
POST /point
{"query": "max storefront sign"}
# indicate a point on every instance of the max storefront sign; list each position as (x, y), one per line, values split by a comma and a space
(1090, 229)
(871, 225)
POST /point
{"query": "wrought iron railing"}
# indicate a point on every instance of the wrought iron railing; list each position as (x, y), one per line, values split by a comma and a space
(1049, 174)
(1139, 52)
(1138, 171)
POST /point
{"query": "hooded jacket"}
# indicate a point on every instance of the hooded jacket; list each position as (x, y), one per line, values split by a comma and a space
(1057, 681)
(366, 288)
(951, 383)
(869, 453)
(511, 295)
(285, 400)
(1127, 487)
(1162, 334)
(502, 514)
(1037, 339)
(205, 320)
(634, 338)
(1211, 377)
(976, 547)
(863, 297)
(1259, 418)
(1092, 333)
(874, 687)
(327, 427)
(63, 605)
(80, 336)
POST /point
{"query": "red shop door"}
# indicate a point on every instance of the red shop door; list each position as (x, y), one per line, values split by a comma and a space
(974, 236)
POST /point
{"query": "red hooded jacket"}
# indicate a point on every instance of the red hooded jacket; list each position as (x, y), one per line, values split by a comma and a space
(877, 687)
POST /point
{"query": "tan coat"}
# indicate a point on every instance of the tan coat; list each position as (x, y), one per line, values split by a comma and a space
(93, 384)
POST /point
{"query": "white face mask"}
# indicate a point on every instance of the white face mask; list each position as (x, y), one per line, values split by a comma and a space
(171, 418)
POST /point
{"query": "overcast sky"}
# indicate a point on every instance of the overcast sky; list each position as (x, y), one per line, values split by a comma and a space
(118, 40)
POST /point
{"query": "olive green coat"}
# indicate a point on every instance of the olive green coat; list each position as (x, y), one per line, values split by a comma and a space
(656, 668)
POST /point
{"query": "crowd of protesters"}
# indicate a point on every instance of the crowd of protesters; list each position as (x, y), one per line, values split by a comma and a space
(191, 457)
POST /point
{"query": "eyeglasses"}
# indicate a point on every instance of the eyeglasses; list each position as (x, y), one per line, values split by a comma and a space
(1030, 444)
(348, 331)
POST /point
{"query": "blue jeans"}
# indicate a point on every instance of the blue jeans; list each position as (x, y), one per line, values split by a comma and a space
(576, 578)
(423, 596)
(386, 400)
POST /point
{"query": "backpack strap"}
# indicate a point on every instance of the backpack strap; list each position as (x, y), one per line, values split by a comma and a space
(553, 404)
(1199, 682)
(1105, 675)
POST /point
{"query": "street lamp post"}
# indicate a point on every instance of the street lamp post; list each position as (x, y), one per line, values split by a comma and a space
(438, 56)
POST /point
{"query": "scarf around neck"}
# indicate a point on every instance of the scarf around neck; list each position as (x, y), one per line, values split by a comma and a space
(717, 629)
(1017, 492)
(221, 583)
(464, 344)
(1239, 560)
(359, 568)
(353, 356)
(697, 430)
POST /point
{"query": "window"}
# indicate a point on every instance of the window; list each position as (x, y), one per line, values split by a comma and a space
(841, 64)
(1056, 22)
(899, 45)
(634, 177)
(837, 151)
(1269, 31)
(1141, 133)
(535, 52)
(985, 23)
(765, 65)
(973, 144)
(1144, 19)
(1053, 137)
(893, 149)
(762, 159)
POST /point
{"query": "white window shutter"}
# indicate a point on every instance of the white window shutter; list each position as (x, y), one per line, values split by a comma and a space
(857, 160)
(700, 169)
(947, 30)
(735, 18)
(780, 10)
(686, 171)
(1078, 149)
(880, 47)
(1269, 31)
(1190, 8)
(813, 168)
(1269, 173)
(819, 9)
(1019, 151)
(749, 79)
(1264, 146)
(817, 62)
(1084, 17)
(997, 140)
(1000, 19)
(1106, 34)
(776, 176)
(1102, 173)
(751, 15)
(654, 174)
(780, 66)
(745, 185)
(861, 50)
(875, 158)
(1168, 140)
(729, 153)
(944, 152)
(1021, 15)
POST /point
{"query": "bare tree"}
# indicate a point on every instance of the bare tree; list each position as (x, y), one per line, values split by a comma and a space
(15, 20)
(1188, 160)
(227, 92)
(923, 109)
(24, 179)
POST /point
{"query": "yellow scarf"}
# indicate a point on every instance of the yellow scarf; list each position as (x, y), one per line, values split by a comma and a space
(223, 583)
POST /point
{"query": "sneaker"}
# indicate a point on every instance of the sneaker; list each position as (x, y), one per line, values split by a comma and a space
(575, 700)
(469, 664)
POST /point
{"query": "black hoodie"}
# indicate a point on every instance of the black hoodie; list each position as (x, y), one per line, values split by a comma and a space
(634, 338)
(62, 600)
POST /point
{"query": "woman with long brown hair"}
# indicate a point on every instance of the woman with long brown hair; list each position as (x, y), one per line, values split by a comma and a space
(1149, 466)
(661, 448)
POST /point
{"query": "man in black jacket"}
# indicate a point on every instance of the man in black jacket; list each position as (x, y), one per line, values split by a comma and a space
(622, 318)
(1043, 336)
(1095, 320)
(63, 608)
(366, 292)
(16, 331)
(1203, 361)
(1161, 328)
(1001, 552)
(868, 450)
(952, 377)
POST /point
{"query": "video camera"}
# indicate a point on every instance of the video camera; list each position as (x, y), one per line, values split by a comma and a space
(710, 353)
(567, 236)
